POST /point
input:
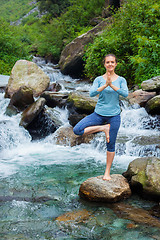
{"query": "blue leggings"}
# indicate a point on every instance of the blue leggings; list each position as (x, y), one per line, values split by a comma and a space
(95, 119)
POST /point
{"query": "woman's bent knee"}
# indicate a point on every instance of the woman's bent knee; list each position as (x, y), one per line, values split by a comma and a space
(77, 131)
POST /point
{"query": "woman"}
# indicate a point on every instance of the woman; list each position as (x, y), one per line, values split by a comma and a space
(106, 117)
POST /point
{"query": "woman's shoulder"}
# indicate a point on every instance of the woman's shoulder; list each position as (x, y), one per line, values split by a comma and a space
(121, 78)
(98, 78)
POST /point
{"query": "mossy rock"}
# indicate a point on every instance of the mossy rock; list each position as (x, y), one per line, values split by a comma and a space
(143, 175)
(81, 103)
(153, 105)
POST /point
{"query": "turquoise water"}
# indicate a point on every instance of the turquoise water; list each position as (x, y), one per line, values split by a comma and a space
(44, 186)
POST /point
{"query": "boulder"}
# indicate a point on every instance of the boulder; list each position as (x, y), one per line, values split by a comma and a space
(74, 117)
(79, 106)
(22, 98)
(65, 136)
(26, 73)
(153, 105)
(151, 85)
(81, 103)
(54, 99)
(32, 112)
(99, 190)
(146, 140)
(41, 126)
(71, 62)
(55, 115)
(140, 97)
(143, 176)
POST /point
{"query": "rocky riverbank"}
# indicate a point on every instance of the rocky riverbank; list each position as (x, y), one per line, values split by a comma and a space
(32, 95)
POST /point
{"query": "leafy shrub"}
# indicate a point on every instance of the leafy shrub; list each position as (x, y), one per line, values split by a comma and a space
(11, 47)
(134, 38)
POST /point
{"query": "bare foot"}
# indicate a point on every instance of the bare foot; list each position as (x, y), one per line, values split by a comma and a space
(106, 131)
(107, 177)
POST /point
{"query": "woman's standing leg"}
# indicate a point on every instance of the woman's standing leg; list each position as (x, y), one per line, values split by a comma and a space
(109, 160)
(114, 127)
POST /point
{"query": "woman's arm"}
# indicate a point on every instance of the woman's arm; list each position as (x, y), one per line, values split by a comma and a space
(94, 89)
(123, 90)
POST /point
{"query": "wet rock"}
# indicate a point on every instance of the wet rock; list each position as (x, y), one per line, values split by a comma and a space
(26, 73)
(55, 99)
(65, 136)
(25, 198)
(54, 87)
(78, 107)
(71, 61)
(32, 112)
(140, 97)
(54, 115)
(81, 103)
(155, 211)
(21, 99)
(11, 111)
(138, 215)
(96, 189)
(145, 140)
(153, 105)
(143, 176)
(151, 85)
(74, 117)
(41, 126)
(76, 216)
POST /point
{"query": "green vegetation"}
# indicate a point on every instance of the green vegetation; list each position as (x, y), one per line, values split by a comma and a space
(53, 7)
(51, 34)
(12, 47)
(134, 38)
(12, 10)
(133, 35)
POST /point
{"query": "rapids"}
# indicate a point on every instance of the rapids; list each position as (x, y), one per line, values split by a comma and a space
(40, 180)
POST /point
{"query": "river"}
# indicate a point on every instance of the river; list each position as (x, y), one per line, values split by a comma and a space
(40, 180)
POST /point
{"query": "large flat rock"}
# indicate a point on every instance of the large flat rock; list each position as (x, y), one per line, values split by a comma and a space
(99, 190)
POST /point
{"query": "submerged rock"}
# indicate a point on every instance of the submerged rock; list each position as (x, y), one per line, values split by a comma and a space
(99, 190)
(26, 73)
(143, 176)
(153, 105)
(76, 216)
(138, 215)
(65, 136)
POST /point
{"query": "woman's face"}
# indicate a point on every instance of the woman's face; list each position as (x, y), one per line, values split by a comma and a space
(110, 63)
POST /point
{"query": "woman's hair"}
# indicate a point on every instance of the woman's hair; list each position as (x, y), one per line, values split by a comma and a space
(110, 55)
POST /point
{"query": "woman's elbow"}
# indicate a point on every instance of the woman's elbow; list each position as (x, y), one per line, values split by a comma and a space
(92, 94)
(125, 94)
